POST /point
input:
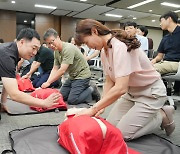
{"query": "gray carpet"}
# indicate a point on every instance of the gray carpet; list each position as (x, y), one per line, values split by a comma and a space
(9, 123)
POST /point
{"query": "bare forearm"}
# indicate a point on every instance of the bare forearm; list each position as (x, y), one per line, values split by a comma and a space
(27, 99)
(158, 58)
(107, 86)
(110, 97)
(55, 75)
(34, 67)
(56, 72)
(4, 95)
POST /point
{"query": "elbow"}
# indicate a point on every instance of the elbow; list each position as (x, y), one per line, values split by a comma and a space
(14, 96)
(63, 71)
(123, 91)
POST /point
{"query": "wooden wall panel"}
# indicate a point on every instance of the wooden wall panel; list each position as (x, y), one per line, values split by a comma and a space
(112, 25)
(68, 26)
(7, 25)
(44, 22)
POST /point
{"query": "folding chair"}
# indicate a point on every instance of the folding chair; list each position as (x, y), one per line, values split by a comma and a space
(170, 78)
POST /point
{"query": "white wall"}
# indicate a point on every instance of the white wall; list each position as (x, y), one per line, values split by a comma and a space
(156, 36)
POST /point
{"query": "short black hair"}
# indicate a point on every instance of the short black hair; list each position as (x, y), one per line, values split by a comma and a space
(70, 38)
(130, 23)
(50, 32)
(28, 34)
(144, 30)
(171, 14)
(1, 41)
(178, 21)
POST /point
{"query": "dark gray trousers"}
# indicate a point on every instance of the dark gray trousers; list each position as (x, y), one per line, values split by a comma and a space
(76, 91)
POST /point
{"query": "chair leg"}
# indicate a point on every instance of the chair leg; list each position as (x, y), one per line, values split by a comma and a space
(169, 86)
(171, 101)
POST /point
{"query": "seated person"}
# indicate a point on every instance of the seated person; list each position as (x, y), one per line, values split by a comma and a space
(131, 29)
(44, 59)
(169, 47)
(167, 60)
(143, 31)
(91, 55)
(71, 40)
(68, 58)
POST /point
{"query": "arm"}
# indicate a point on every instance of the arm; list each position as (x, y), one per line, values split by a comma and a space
(85, 53)
(55, 74)
(95, 54)
(158, 58)
(10, 84)
(107, 85)
(20, 64)
(34, 67)
(119, 88)
(4, 95)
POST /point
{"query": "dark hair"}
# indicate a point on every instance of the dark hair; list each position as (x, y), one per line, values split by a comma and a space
(1, 41)
(178, 21)
(69, 40)
(130, 23)
(144, 30)
(83, 28)
(171, 14)
(28, 34)
(50, 32)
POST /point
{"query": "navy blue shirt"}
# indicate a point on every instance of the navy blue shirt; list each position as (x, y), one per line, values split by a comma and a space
(9, 58)
(170, 45)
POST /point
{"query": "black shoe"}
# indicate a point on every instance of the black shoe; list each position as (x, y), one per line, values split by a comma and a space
(95, 94)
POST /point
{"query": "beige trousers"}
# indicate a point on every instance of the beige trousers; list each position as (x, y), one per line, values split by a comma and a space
(165, 67)
(138, 111)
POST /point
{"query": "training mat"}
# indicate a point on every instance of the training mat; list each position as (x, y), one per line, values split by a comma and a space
(43, 139)
(15, 108)
(36, 140)
(154, 144)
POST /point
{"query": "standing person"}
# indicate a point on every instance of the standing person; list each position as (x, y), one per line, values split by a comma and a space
(44, 59)
(131, 78)
(26, 46)
(68, 58)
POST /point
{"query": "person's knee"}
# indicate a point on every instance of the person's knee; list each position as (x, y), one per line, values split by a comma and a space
(127, 131)
(37, 85)
(127, 135)
(72, 101)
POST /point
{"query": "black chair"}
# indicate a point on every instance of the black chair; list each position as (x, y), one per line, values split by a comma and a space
(170, 79)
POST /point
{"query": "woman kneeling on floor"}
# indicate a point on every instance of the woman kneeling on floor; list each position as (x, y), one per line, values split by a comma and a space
(131, 80)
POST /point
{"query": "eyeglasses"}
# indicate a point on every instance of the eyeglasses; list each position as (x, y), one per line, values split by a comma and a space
(51, 42)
